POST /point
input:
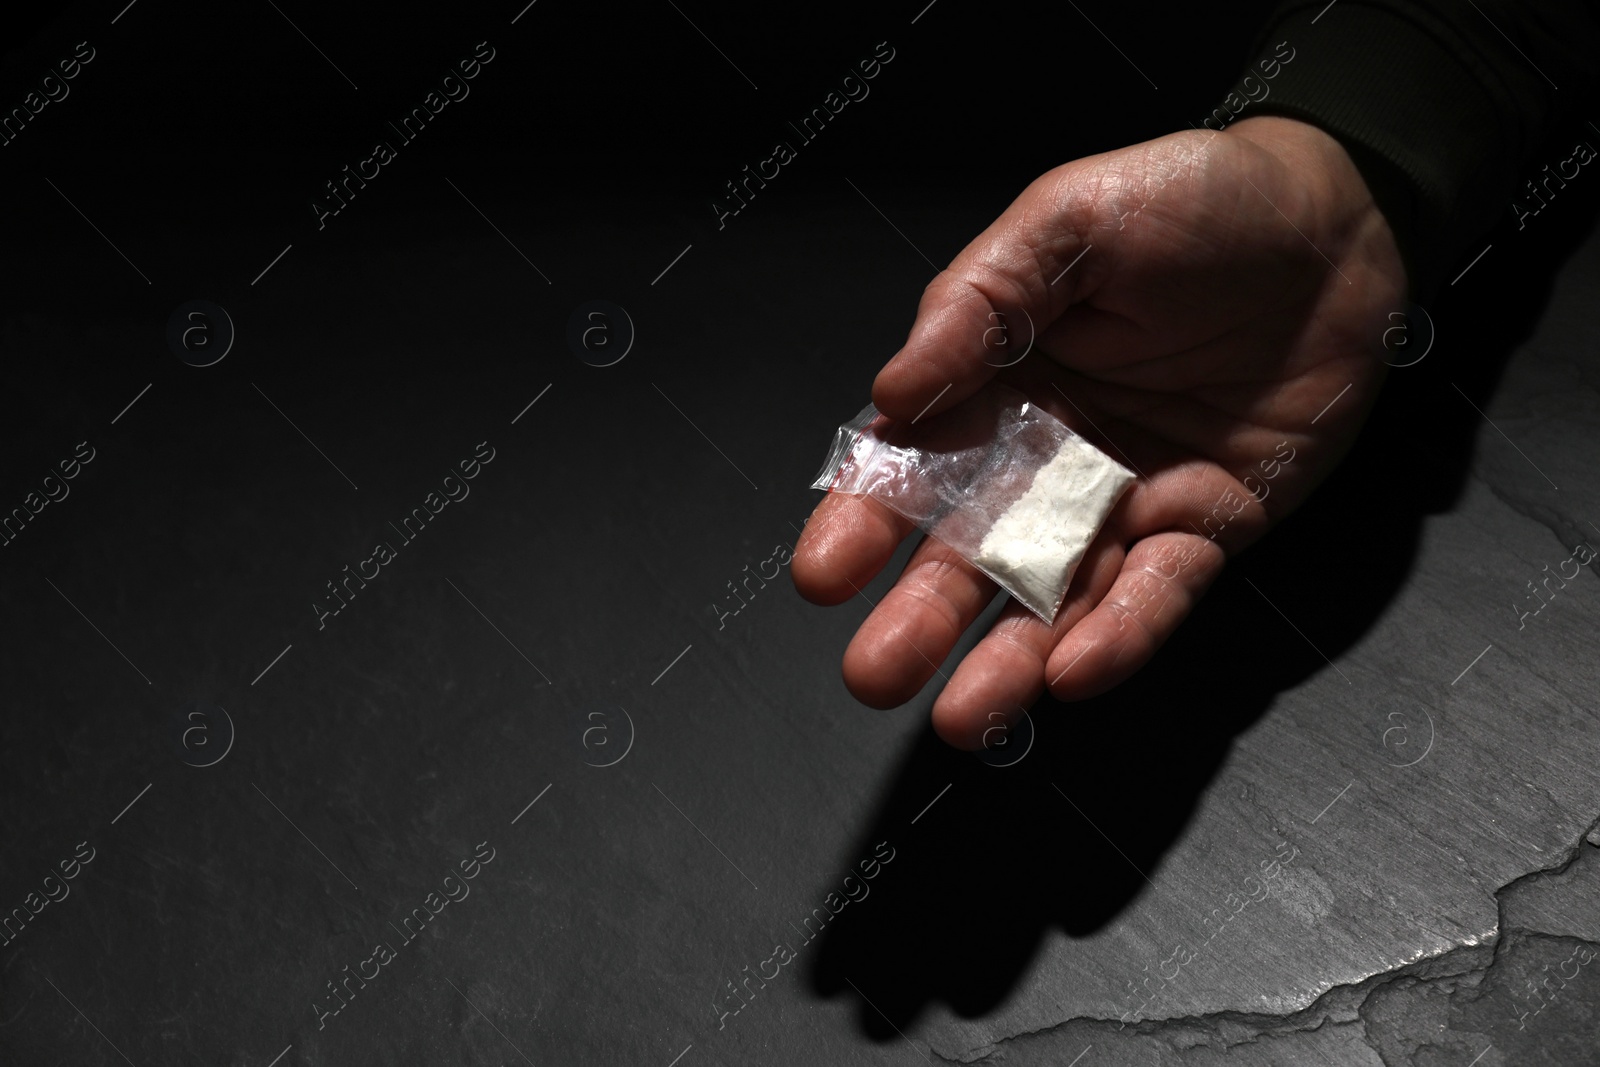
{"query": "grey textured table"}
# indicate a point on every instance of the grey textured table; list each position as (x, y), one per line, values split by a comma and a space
(528, 784)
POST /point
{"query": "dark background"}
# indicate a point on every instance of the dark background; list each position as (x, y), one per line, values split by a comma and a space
(379, 750)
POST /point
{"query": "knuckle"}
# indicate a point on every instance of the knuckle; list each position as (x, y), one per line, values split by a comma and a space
(1019, 632)
(921, 585)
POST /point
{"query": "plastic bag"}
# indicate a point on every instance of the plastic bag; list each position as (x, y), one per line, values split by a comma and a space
(1001, 481)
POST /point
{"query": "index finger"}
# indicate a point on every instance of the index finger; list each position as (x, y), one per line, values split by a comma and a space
(1002, 290)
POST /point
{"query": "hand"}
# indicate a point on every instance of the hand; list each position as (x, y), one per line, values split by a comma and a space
(1230, 286)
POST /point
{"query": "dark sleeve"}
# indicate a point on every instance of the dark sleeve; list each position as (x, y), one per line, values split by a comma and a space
(1444, 106)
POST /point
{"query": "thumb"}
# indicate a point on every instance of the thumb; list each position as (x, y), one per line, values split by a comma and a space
(984, 311)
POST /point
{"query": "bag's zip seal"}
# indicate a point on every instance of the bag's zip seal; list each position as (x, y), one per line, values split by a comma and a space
(845, 439)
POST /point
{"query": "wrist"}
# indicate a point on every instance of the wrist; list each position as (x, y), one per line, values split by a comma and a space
(1346, 208)
(1312, 154)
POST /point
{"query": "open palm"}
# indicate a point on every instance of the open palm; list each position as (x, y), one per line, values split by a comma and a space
(1208, 309)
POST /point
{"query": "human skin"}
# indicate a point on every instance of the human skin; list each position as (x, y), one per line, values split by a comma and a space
(1233, 284)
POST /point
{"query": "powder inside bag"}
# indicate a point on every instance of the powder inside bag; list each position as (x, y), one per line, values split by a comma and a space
(1037, 543)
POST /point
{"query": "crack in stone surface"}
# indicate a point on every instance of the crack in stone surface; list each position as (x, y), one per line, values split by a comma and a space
(1472, 987)
(1569, 532)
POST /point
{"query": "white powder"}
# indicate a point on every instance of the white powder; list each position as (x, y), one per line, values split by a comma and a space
(1037, 543)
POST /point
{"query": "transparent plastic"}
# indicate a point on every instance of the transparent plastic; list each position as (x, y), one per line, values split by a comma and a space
(998, 479)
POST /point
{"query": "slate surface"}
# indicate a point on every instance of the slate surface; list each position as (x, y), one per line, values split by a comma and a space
(548, 683)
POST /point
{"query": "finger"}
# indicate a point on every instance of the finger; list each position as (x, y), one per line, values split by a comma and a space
(916, 624)
(1005, 673)
(844, 545)
(1006, 286)
(1162, 578)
